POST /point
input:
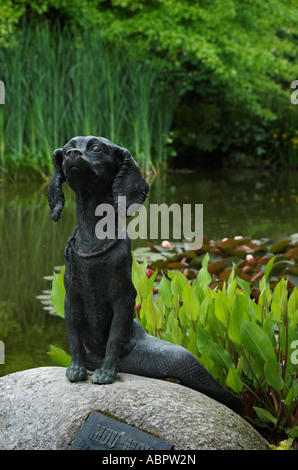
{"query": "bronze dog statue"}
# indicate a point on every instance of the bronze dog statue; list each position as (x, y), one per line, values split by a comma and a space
(99, 306)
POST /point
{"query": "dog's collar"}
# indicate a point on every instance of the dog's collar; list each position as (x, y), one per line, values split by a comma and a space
(95, 254)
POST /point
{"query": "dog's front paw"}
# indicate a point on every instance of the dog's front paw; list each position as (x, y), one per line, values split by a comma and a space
(76, 373)
(103, 376)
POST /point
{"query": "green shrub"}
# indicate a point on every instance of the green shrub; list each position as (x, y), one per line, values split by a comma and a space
(233, 61)
(248, 347)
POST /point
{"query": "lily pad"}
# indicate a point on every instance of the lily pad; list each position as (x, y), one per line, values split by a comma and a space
(279, 267)
(224, 275)
(216, 267)
(293, 271)
(176, 265)
(216, 284)
(228, 245)
(294, 280)
(279, 246)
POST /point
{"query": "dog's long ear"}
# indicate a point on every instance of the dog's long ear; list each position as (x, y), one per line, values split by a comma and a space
(55, 194)
(128, 181)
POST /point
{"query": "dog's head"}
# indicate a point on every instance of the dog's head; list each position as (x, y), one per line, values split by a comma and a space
(94, 164)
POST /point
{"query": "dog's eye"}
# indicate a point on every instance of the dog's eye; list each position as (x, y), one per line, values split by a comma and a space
(95, 148)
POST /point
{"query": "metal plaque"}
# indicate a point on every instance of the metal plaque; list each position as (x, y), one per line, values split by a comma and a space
(100, 432)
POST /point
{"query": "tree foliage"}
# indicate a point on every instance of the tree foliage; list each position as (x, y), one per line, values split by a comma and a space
(236, 56)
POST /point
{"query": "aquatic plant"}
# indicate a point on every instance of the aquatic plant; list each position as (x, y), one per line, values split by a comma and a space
(248, 257)
(60, 91)
(249, 345)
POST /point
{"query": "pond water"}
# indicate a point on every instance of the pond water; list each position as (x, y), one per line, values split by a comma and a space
(235, 202)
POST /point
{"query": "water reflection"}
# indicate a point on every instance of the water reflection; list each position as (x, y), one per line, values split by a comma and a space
(247, 203)
(237, 202)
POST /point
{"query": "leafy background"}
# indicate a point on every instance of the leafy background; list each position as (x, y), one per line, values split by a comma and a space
(242, 329)
(223, 70)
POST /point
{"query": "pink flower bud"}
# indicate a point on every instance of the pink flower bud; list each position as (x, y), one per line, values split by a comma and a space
(149, 272)
(166, 244)
(249, 259)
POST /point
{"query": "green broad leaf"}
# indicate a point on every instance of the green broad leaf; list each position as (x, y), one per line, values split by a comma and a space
(237, 317)
(220, 308)
(169, 321)
(265, 296)
(256, 341)
(252, 368)
(138, 274)
(148, 285)
(294, 320)
(291, 397)
(204, 277)
(152, 313)
(273, 375)
(142, 315)
(204, 306)
(176, 333)
(283, 297)
(161, 306)
(269, 326)
(293, 432)
(231, 278)
(233, 380)
(257, 366)
(192, 344)
(165, 291)
(190, 302)
(275, 309)
(220, 356)
(183, 317)
(269, 268)
(58, 292)
(255, 310)
(207, 362)
(59, 356)
(293, 303)
(205, 261)
(177, 284)
(244, 286)
(203, 338)
(231, 288)
(265, 415)
(212, 322)
(171, 274)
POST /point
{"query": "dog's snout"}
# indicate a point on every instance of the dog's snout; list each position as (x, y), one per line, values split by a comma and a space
(73, 159)
(73, 152)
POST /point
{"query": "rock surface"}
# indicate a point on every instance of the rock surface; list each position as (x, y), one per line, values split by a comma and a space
(41, 410)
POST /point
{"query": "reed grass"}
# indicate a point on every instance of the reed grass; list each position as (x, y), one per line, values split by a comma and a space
(59, 85)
